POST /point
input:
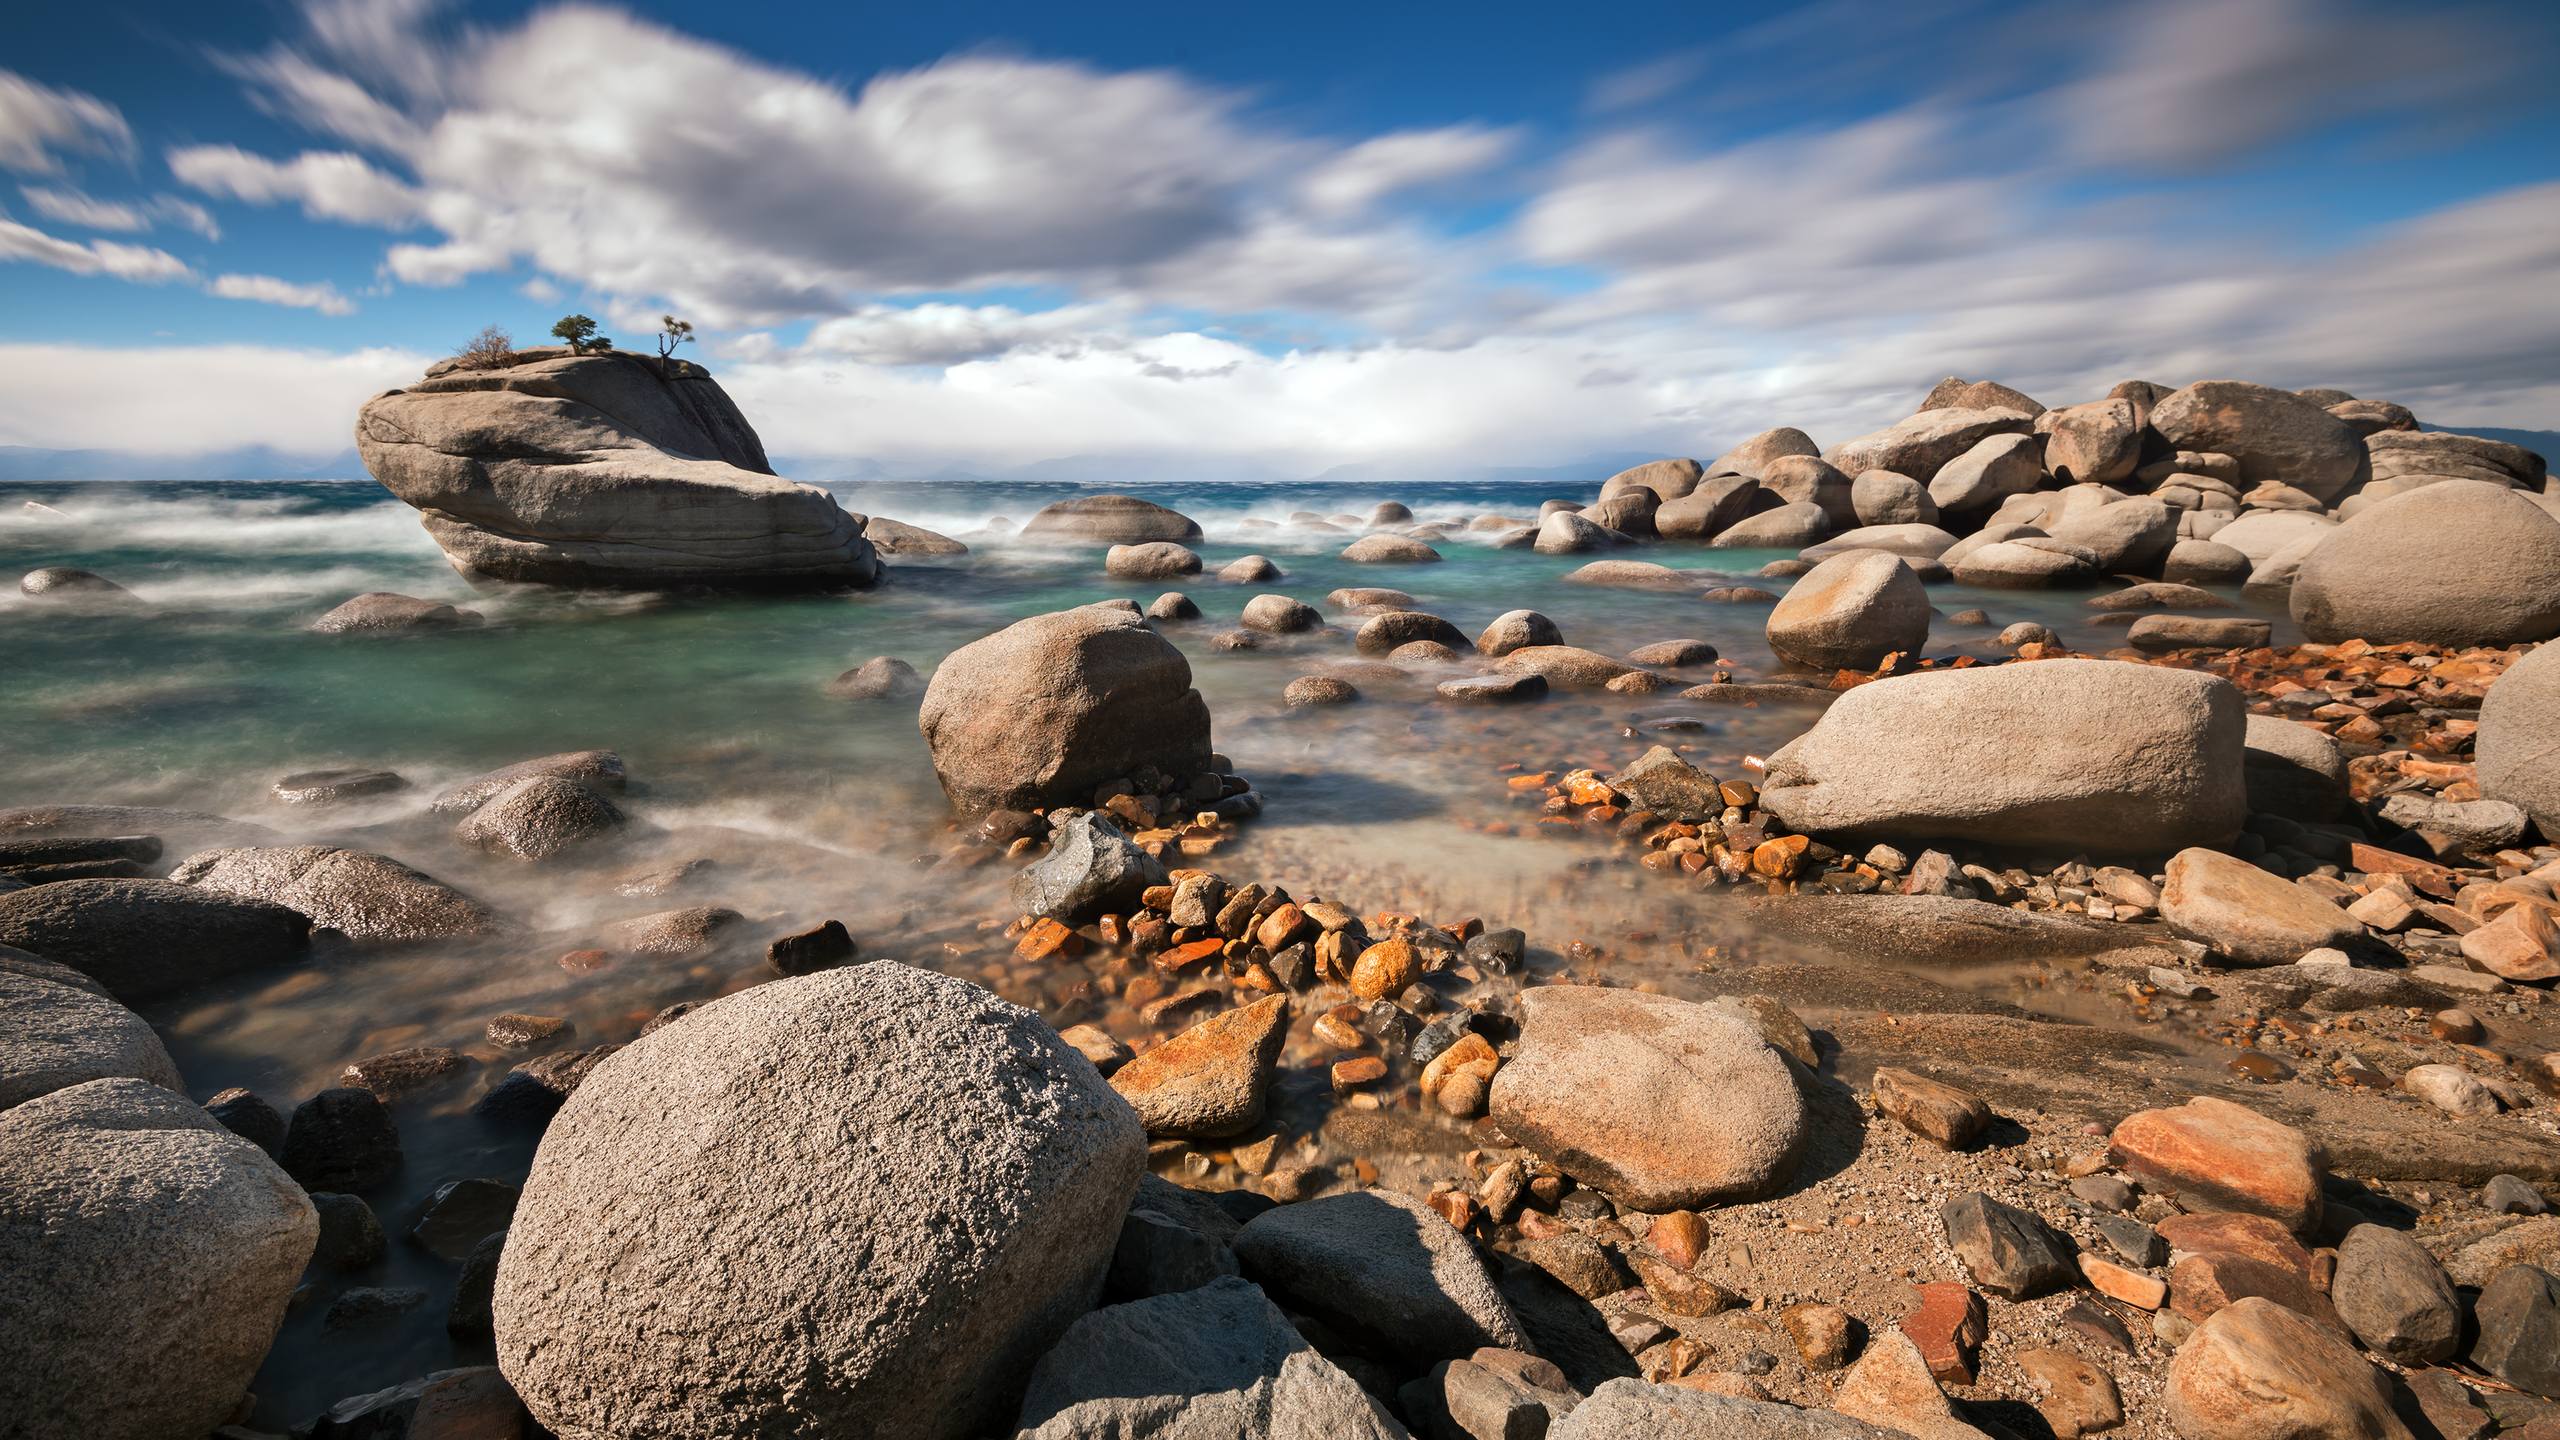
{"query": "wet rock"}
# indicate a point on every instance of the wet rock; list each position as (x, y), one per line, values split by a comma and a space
(603, 469)
(1383, 549)
(64, 584)
(2518, 1315)
(371, 1306)
(381, 612)
(910, 542)
(595, 769)
(820, 947)
(368, 898)
(1280, 615)
(540, 818)
(1172, 606)
(1317, 690)
(1669, 786)
(1661, 1103)
(2457, 563)
(1947, 1117)
(1152, 560)
(1393, 629)
(393, 1074)
(1565, 532)
(1849, 612)
(2395, 1297)
(1565, 666)
(466, 1404)
(1382, 1267)
(1044, 710)
(1497, 952)
(1209, 1080)
(1674, 654)
(1216, 1361)
(857, 1300)
(2215, 1155)
(2085, 754)
(146, 1259)
(341, 1139)
(145, 939)
(1493, 689)
(534, 1091)
(461, 1214)
(694, 930)
(2273, 434)
(1109, 519)
(252, 1119)
(1090, 866)
(1517, 629)
(2160, 634)
(1362, 598)
(332, 787)
(2247, 915)
(472, 1313)
(2007, 1251)
(882, 677)
(350, 1236)
(2256, 1369)
(57, 1033)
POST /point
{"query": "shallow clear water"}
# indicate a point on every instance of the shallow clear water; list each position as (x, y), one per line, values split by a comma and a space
(813, 807)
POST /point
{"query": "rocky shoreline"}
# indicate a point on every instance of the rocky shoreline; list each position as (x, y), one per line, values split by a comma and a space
(2148, 1038)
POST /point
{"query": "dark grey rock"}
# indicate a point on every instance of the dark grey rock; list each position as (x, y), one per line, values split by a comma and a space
(2009, 1252)
(341, 1139)
(2518, 1313)
(1090, 866)
(350, 1236)
(145, 939)
(461, 1214)
(1384, 1267)
(2396, 1298)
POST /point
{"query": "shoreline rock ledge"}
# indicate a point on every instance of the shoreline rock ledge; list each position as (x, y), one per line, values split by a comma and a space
(861, 1202)
(607, 471)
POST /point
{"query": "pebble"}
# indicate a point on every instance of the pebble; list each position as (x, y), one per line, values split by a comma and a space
(1945, 1115)
(2510, 1195)
(1824, 1334)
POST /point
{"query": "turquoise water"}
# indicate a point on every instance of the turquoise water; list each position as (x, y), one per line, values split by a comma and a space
(813, 807)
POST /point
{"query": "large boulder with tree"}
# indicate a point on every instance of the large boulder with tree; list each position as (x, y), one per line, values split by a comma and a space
(602, 469)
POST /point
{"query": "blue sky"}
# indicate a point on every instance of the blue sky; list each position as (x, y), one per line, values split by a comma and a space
(995, 234)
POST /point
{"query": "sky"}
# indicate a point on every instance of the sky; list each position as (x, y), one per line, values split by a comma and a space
(979, 237)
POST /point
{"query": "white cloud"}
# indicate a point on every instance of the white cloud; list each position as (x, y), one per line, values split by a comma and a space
(539, 290)
(36, 121)
(943, 334)
(1373, 169)
(268, 290)
(94, 257)
(329, 185)
(78, 207)
(191, 398)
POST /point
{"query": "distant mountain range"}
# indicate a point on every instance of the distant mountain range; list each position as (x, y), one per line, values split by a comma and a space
(263, 462)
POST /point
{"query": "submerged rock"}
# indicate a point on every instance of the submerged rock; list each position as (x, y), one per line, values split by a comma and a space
(882, 677)
(369, 898)
(1089, 866)
(65, 584)
(381, 611)
(602, 470)
(907, 1296)
(2081, 754)
(144, 939)
(1109, 520)
(1150, 560)
(540, 818)
(1661, 1103)
(1044, 710)
(596, 769)
(146, 1259)
(1389, 550)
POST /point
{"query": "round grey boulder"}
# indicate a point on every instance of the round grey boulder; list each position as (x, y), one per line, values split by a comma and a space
(2274, 434)
(1381, 634)
(1849, 613)
(909, 542)
(1385, 549)
(1660, 1103)
(57, 1031)
(1109, 520)
(2205, 562)
(2462, 562)
(2100, 441)
(1988, 472)
(1280, 615)
(368, 898)
(2127, 536)
(1568, 533)
(882, 1193)
(146, 1258)
(1881, 497)
(1788, 527)
(882, 677)
(1153, 560)
(2294, 771)
(2094, 755)
(1517, 629)
(541, 817)
(1044, 710)
(382, 612)
(1250, 570)
(1385, 1268)
(145, 939)
(2517, 749)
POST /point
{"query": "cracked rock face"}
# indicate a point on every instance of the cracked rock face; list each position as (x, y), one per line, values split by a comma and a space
(603, 470)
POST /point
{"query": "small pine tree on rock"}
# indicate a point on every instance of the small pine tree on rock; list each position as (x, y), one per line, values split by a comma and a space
(580, 333)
